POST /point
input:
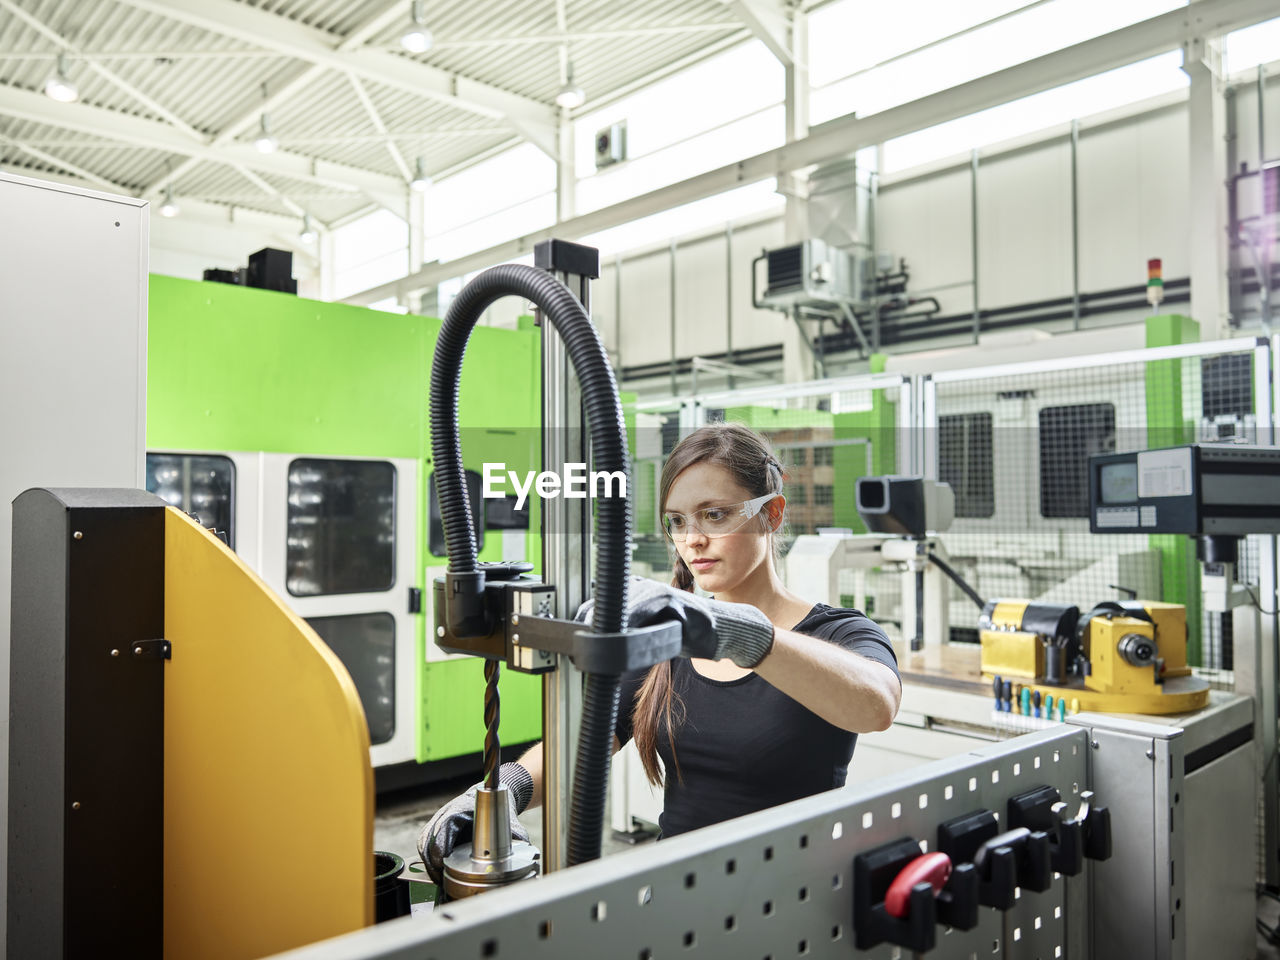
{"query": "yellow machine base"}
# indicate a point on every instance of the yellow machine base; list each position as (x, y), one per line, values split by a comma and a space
(1179, 695)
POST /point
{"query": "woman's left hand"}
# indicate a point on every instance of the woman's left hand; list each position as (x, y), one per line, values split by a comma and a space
(712, 629)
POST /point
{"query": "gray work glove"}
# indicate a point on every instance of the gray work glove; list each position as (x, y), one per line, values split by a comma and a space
(712, 629)
(454, 823)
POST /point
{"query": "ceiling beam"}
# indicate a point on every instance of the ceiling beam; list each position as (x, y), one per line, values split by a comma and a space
(301, 77)
(375, 24)
(844, 136)
(152, 134)
(580, 36)
(76, 171)
(535, 120)
(268, 189)
(376, 119)
(110, 76)
(770, 21)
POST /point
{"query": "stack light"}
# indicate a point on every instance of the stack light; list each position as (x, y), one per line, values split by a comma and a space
(1155, 282)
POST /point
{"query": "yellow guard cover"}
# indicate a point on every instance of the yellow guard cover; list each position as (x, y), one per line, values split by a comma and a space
(268, 833)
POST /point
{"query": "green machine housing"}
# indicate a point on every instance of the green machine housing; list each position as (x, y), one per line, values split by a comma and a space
(275, 390)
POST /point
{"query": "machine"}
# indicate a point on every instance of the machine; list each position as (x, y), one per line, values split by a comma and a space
(1116, 658)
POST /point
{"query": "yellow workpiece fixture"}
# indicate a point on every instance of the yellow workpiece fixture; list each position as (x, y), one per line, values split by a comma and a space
(1113, 685)
(268, 789)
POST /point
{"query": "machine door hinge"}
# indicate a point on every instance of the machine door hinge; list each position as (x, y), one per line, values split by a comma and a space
(415, 599)
(152, 650)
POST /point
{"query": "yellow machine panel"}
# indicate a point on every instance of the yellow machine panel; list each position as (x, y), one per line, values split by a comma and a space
(269, 798)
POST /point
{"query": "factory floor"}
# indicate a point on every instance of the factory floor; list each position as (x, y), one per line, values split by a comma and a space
(401, 815)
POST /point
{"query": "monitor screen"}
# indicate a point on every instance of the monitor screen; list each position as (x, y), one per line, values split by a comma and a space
(1118, 482)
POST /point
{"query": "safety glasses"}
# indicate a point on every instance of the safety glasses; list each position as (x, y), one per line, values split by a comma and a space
(714, 521)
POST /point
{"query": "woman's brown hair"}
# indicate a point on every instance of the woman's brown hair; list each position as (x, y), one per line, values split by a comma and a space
(751, 462)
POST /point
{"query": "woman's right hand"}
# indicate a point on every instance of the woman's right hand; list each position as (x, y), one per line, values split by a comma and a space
(454, 822)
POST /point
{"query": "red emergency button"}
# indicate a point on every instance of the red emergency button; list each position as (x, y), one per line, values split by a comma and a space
(931, 868)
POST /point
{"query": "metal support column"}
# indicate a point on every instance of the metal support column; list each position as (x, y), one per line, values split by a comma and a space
(973, 235)
(1202, 62)
(566, 554)
(1267, 658)
(673, 317)
(1262, 259)
(728, 293)
(1075, 225)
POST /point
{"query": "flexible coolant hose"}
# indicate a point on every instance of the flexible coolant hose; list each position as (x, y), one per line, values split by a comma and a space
(609, 448)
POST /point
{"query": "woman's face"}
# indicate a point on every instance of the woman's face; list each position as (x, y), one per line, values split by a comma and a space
(718, 564)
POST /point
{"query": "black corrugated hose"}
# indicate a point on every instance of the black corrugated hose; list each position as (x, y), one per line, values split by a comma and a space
(609, 448)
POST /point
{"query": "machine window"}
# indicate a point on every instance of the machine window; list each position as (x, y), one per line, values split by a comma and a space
(202, 485)
(965, 462)
(366, 645)
(1069, 436)
(341, 527)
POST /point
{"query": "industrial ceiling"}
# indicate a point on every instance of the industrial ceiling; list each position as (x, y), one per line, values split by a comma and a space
(172, 93)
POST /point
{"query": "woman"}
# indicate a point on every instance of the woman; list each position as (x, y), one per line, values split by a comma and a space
(765, 703)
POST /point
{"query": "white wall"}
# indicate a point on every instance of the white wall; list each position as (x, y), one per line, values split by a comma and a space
(1132, 204)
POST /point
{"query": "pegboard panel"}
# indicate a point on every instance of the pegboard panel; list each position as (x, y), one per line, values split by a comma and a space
(773, 885)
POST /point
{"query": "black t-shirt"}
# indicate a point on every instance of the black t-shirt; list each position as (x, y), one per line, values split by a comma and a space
(744, 744)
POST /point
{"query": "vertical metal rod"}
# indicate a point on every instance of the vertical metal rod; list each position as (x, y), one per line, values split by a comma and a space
(973, 230)
(873, 189)
(1075, 226)
(1262, 259)
(617, 312)
(1267, 659)
(673, 318)
(728, 302)
(566, 564)
(1234, 296)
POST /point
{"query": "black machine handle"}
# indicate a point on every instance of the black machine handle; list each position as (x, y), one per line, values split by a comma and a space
(1004, 861)
(956, 904)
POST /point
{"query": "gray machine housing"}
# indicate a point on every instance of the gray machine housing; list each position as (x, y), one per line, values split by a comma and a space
(905, 506)
(1195, 489)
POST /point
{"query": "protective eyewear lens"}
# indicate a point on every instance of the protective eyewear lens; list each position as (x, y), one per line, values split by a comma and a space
(713, 521)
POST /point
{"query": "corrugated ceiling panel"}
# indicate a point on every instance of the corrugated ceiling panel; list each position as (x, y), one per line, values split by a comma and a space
(213, 83)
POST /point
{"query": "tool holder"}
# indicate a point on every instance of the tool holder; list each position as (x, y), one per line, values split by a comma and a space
(1071, 839)
(516, 632)
(873, 871)
(1023, 862)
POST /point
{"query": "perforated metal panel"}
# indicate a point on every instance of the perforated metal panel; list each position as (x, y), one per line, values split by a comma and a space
(773, 885)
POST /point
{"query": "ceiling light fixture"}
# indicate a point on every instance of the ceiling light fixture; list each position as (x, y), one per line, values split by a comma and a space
(417, 39)
(58, 86)
(571, 96)
(421, 181)
(265, 142)
(308, 233)
(169, 208)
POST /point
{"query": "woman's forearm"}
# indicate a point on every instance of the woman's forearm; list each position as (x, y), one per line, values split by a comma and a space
(849, 691)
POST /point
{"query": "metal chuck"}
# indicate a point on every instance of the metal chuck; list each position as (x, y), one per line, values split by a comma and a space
(493, 859)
